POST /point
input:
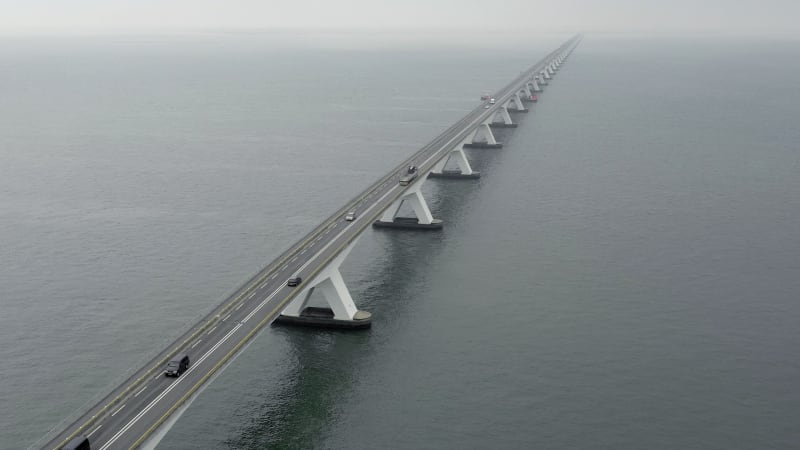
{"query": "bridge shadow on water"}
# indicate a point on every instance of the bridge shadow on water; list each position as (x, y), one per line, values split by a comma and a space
(385, 272)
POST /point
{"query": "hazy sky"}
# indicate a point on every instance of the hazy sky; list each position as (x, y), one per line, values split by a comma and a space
(730, 16)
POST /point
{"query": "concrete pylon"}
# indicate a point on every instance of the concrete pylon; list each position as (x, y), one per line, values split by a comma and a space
(535, 85)
(527, 90)
(336, 308)
(483, 137)
(505, 119)
(518, 106)
(457, 155)
(413, 195)
(542, 80)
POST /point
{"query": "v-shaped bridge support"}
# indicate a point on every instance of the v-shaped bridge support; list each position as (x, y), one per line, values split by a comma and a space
(413, 196)
(336, 308)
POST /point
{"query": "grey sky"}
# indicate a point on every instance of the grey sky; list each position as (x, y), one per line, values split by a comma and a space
(741, 16)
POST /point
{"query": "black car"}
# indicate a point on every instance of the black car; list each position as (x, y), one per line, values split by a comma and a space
(294, 281)
(176, 366)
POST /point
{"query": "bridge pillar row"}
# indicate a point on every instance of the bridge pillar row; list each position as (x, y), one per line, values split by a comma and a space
(413, 195)
(542, 80)
(534, 83)
(545, 75)
(335, 309)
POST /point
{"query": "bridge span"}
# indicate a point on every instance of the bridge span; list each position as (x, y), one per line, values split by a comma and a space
(142, 409)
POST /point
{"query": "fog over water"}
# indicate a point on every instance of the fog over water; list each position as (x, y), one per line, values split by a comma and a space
(524, 18)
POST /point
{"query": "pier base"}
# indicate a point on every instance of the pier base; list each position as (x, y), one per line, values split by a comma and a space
(455, 174)
(408, 223)
(320, 317)
(502, 125)
(483, 145)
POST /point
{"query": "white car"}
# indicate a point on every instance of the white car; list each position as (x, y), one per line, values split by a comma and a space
(351, 216)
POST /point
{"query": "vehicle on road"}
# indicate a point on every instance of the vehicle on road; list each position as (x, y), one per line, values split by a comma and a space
(411, 175)
(351, 216)
(294, 281)
(491, 101)
(486, 96)
(177, 365)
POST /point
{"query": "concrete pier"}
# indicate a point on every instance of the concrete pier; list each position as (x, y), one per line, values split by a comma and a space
(409, 223)
(321, 317)
(483, 145)
(455, 174)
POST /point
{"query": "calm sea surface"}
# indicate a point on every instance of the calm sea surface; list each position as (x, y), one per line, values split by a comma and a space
(626, 273)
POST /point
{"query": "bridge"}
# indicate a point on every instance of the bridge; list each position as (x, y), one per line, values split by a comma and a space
(140, 411)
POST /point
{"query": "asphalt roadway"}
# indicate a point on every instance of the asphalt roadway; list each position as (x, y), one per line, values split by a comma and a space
(135, 411)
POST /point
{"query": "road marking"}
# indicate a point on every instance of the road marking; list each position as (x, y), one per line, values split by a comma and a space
(98, 427)
(273, 277)
(118, 410)
(226, 317)
(167, 390)
(197, 342)
(211, 330)
(304, 251)
(141, 390)
(261, 305)
(263, 284)
(251, 295)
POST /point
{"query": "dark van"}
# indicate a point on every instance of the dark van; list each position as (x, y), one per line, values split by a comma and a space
(177, 365)
(77, 443)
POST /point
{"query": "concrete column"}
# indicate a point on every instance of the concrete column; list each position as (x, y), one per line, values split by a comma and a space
(518, 104)
(413, 195)
(336, 308)
(464, 168)
(527, 90)
(483, 137)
